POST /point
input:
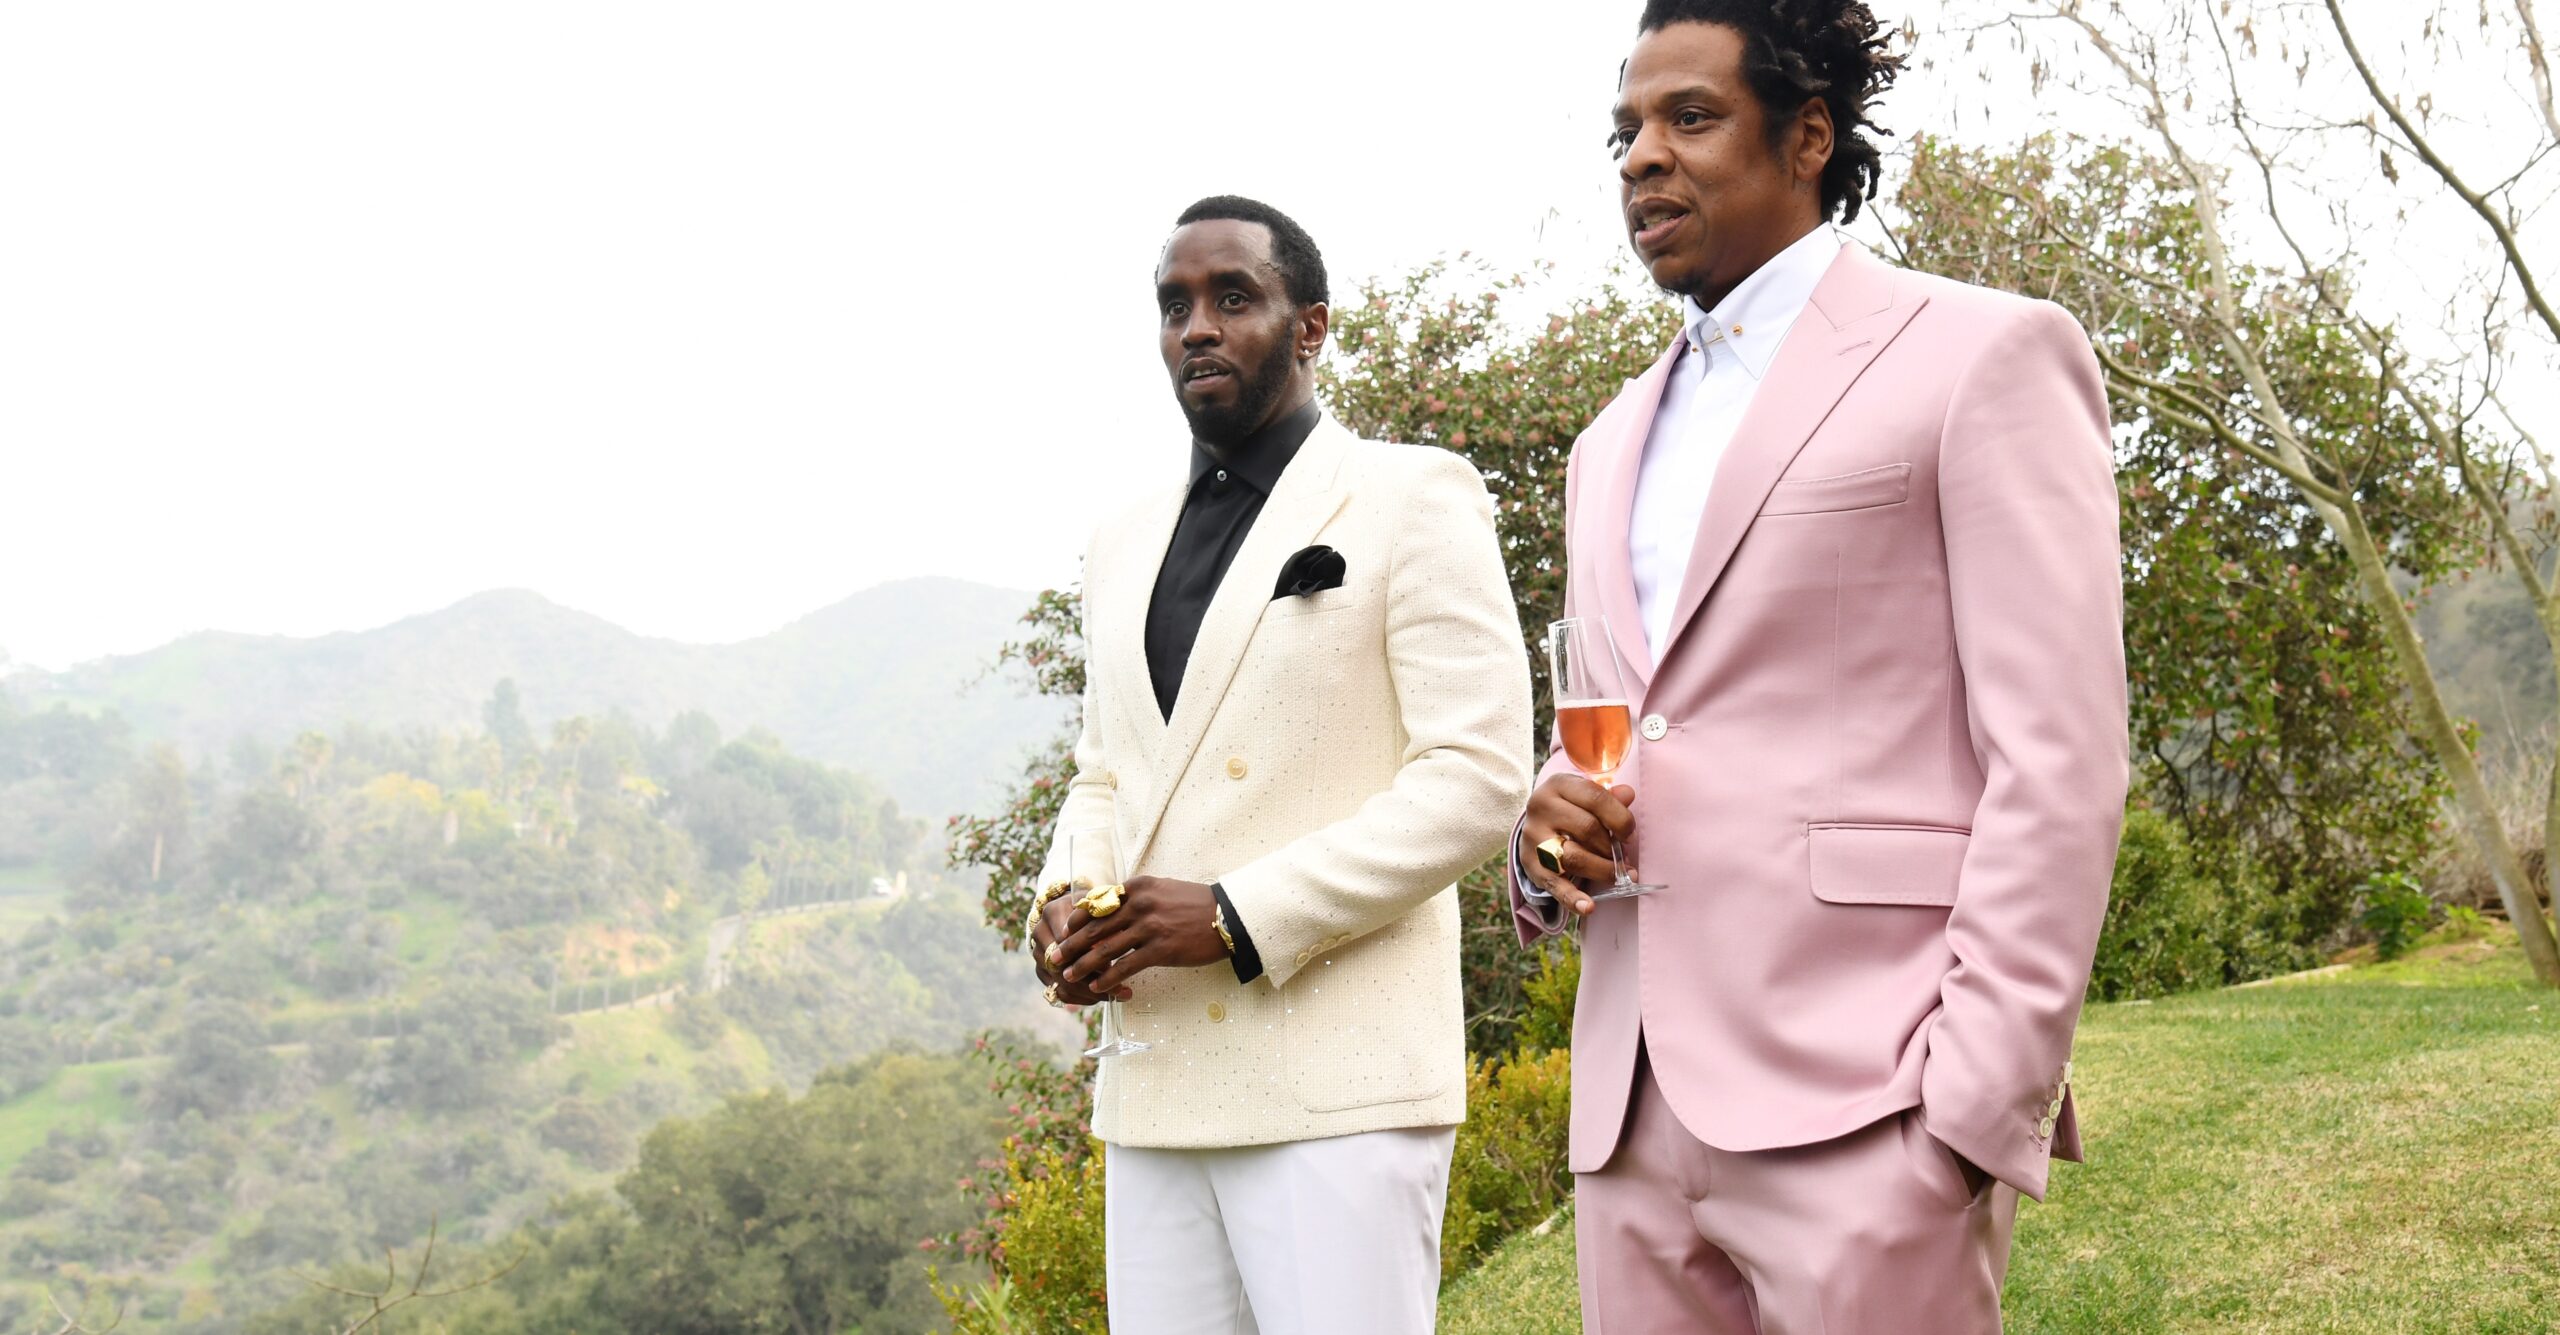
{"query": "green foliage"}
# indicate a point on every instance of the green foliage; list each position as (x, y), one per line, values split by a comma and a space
(1548, 1026)
(2268, 717)
(1011, 846)
(2396, 912)
(2462, 923)
(2164, 917)
(219, 1064)
(1508, 1172)
(2175, 924)
(786, 1215)
(1049, 1115)
(337, 1008)
(1050, 1274)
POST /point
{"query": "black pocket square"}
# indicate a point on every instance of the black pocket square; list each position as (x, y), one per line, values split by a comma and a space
(1312, 570)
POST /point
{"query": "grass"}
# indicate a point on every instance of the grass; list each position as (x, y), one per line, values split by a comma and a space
(75, 1096)
(2370, 1150)
(607, 1050)
(27, 896)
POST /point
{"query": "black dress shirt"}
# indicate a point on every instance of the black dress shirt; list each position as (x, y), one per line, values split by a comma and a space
(1228, 488)
(1227, 491)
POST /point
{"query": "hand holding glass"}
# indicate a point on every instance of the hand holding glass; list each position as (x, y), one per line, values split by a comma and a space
(1094, 859)
(1593, 719)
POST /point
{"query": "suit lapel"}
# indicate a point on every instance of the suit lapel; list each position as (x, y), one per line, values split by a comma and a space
(1138, 553)
(1305, 499)
(1851, 318)
(1617, 461)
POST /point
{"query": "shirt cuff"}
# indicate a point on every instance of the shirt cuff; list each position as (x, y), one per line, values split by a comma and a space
(1247, 960)
(1519, 879)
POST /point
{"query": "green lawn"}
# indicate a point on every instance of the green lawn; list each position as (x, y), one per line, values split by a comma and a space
(27, 895)
(2371, 1150)
(75, 1096)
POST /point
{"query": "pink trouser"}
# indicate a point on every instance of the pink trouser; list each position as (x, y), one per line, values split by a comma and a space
(1874, 1231)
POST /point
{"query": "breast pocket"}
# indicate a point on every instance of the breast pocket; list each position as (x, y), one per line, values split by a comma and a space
(1311, 605)
(1866, 489)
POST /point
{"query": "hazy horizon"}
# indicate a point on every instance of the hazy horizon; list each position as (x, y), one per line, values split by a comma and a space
(14, 665)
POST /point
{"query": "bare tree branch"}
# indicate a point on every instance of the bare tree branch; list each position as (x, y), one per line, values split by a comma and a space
(383, 1300)
(2541, 63)
(72, 1325)
(2444, 171)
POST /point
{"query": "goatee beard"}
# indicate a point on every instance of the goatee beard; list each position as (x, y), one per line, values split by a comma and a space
(1260, 388)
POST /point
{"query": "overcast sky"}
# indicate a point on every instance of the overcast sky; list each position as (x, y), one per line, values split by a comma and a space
(695, 317)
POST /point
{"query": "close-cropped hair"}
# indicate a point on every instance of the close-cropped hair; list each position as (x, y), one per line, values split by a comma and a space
(1293, 252)
(1794, 51)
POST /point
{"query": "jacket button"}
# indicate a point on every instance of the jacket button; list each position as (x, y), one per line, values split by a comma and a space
(1111, 779)
(1235, 767)
(1217, 1012)
(1655, 727)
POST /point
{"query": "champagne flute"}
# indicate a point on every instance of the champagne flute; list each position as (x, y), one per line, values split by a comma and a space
(1093, 859)
(1594, 719)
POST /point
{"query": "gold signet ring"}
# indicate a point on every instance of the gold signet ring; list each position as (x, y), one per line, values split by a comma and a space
(1551, 853)
(1102, 901)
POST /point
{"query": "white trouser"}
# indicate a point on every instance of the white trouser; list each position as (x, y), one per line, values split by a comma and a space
(1313, 1237)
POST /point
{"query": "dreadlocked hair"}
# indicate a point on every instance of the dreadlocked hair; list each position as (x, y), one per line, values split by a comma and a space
(1794, 51)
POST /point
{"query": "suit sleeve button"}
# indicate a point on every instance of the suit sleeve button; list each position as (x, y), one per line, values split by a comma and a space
(1235, 767)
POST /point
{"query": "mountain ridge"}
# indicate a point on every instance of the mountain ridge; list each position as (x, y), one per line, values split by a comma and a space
(888, 681)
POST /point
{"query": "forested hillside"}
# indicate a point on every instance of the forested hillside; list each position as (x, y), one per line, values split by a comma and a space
(285, 1012)
(884, 682)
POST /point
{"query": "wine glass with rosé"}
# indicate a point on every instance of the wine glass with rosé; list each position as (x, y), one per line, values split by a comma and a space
(1594, 719)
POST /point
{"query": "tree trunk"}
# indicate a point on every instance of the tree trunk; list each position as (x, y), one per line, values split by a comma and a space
(2479, 815)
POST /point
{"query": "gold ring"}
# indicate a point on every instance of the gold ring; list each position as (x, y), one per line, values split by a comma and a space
(1551, 853)
(1101, 901)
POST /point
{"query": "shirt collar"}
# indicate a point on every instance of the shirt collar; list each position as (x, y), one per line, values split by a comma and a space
(1260, 459)
(1757, 314)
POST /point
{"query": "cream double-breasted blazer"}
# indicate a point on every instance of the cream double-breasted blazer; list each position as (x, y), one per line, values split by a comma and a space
(1336, 761)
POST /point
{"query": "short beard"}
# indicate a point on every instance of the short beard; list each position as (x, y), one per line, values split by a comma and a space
(1260, 388)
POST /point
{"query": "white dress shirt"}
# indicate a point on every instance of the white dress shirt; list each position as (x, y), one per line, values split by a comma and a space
(1724, 354)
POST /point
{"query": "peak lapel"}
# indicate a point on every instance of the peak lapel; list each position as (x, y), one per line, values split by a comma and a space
(1306, 497)
(1851, 318)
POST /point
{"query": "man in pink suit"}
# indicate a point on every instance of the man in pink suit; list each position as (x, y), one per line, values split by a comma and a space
(1854, 536)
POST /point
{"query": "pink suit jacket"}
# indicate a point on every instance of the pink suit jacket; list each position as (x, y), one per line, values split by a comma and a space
(1891, 767)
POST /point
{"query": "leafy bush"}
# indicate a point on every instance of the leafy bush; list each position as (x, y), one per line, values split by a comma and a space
(2163, 917)
(1547, 1025)
(2463, 923)
(2396, 912)
(1509, 1169)
(2174, 926)
(1051, 1276)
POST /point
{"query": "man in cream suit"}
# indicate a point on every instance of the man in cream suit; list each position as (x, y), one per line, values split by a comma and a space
(1306, 716)
(1855, 534)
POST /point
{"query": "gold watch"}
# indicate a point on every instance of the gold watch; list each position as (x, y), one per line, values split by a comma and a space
(1218, 921)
